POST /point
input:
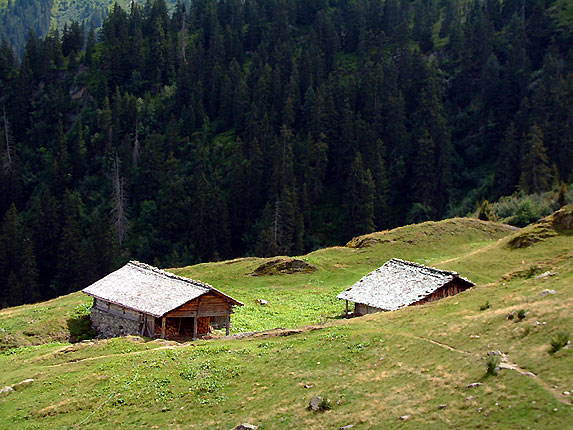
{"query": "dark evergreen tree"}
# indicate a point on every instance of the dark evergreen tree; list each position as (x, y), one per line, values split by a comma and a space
(17, 262)
(359, 199)
(535, 172)
(72, 271)
(230, 127)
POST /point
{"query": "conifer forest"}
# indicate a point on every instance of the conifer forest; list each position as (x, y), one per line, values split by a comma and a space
(228, 128)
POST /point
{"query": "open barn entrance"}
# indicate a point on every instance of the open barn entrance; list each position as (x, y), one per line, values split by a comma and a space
(182, 328)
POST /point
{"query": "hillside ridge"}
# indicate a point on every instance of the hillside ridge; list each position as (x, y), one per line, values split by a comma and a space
(427, 362)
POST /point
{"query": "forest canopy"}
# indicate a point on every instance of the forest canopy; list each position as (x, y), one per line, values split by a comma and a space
(265, 127)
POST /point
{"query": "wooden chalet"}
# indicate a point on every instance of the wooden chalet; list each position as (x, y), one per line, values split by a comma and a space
(139, 299)
(400, 283)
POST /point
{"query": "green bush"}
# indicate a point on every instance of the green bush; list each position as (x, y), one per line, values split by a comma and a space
(486, 212)
(521, 314)
(521, 210)
(559, 341)
(485, 306)
(525, 214)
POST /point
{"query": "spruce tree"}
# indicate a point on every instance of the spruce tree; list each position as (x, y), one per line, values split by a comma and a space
(71, 264)
(17, 262)
(359, 199)
(535, 171)
(507, 165)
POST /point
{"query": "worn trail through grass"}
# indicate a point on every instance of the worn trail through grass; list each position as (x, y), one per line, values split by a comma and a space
(506, 364)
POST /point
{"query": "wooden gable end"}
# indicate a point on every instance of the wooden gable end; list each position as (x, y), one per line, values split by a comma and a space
(455, 286)
(209, 304)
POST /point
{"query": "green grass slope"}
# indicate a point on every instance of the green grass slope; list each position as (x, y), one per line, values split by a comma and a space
(374, 369)
(294, 300)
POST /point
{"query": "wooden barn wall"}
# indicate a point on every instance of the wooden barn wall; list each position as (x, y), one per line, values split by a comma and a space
(450, 289)
(361, 309)
(209, 304)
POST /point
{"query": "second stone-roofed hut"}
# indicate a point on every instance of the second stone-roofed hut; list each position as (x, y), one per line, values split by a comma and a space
(399, 283)
(139, 299)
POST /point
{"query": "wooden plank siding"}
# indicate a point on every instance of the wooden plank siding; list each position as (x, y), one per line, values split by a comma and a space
(450, 289)
(361, 309)
(209, 304)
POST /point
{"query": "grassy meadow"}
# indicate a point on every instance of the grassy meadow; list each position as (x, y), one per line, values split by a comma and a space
(415, 362)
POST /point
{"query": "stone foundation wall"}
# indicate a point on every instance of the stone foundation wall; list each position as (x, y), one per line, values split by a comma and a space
(108, 325)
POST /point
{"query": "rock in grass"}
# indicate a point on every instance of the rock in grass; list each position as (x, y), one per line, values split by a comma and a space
(442, 406)
(348, 427)
(546, 275)
(314, 404)
(23, 384)
(495, 352)
(405, 417)
(246, 426)
(474, 384)
(511, 315)
(547, 292)
(4, 391)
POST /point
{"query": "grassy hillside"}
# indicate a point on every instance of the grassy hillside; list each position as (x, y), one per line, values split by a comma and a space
(374, 369)
(294, 300)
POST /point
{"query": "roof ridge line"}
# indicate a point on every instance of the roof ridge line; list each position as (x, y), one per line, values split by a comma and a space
(422, 266)
(166, 274)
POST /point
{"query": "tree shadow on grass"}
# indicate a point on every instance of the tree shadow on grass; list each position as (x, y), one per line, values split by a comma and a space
(80, 328)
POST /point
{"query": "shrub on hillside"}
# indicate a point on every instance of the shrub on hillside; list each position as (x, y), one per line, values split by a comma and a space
(485, 306)
(521, 209)
(560, 340)
(492, 365)
(486, 212)
(526, 213)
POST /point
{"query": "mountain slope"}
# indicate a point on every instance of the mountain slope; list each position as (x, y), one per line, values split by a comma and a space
(293, 300)
(374, 369)
(18, 17)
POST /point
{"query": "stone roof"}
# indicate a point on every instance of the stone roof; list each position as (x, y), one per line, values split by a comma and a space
(148, 289)
(398, 283)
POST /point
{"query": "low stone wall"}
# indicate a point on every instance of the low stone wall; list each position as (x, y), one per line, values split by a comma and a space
(108, 325)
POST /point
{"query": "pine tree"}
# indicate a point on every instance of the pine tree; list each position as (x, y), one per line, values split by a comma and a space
(535, 172)
(45, 225)
(507, 166)
(359, 199)
(381, 200)
(71, 266)
(8, 156)
(90, 46)
(102, 250)
(119, 203)
(17, 262)
(425, 172)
